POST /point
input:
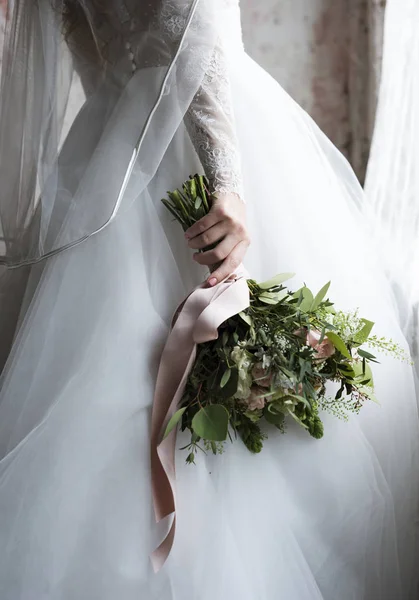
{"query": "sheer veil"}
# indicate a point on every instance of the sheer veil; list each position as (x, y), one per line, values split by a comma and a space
(58, 72)
(392, 185)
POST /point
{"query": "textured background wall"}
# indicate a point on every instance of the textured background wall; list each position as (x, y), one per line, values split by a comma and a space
(304, 45)
(326, 54)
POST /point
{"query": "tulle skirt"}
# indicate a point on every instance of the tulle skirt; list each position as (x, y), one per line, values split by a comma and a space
(332, 519)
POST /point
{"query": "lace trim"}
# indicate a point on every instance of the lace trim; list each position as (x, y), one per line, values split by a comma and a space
(173, 18)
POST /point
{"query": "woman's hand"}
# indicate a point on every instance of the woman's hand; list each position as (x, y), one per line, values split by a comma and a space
(225, 226)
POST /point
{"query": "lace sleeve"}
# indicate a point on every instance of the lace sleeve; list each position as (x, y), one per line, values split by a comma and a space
(210, 123)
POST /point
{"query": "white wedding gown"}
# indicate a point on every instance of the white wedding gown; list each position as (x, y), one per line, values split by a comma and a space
(333, 519)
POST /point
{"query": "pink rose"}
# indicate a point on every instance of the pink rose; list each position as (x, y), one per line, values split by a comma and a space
(255, 401)
(260, 376)
(299, 389)
(323, 350)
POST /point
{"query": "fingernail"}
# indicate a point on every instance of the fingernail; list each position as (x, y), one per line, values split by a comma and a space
(212, 281)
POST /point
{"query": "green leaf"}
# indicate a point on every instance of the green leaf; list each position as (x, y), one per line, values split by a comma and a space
(174, 421)
(301, 399)
(273, 416)
(320, 296)
(339, 344)
(307, 301)
(190, 459)
(339, 393)
(369, 393)
(364, 373)
(273, 297)
(367, 355)
(225, 378)
(211, 423)
(294, 416)
(198, 202)
(268, 298)
(246, 318)
(230, 387)
(276, 281)
(346, 371)
(364, 333)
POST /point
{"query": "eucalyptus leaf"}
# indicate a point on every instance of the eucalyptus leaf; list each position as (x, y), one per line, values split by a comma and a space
(268, 298)
(225, 378)
(276, 281)
(338, 343)
(273, 297)
(346, 371)
(211, 423)
(174, 421)
(246, 318)
(320, 296)
(364, 373)
(367, 355)
(230, 387)
(307, 301)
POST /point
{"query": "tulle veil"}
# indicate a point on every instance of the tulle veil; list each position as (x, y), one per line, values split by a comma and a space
(392, 183)
(52, 79)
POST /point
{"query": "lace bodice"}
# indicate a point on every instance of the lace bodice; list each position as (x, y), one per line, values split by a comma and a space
(209, 118)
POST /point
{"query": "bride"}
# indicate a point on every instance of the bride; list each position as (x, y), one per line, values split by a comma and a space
(104, 106)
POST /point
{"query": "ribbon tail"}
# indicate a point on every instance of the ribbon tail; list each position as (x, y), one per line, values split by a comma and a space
(198, 321)
(159, 556)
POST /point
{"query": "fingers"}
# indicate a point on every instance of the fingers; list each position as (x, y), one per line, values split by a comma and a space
(224, 227)
(210, 236)
(217, 254)
(198, 228)
(230, 264)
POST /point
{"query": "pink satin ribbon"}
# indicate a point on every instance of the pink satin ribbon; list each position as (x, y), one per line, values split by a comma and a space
(197, 322)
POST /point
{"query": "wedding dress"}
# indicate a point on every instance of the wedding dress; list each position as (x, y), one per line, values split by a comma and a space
(90, 283)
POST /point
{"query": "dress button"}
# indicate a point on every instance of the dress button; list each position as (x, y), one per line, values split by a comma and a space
(131, 55)
(127, 46)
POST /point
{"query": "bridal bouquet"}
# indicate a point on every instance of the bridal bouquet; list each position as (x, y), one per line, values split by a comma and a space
(289, 355)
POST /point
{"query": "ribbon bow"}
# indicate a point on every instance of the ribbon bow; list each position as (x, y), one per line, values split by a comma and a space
(197, 322)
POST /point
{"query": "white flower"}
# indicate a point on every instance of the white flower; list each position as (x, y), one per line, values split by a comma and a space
(243, 360)
(281, 342)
